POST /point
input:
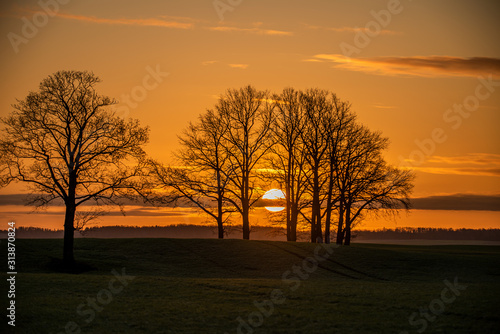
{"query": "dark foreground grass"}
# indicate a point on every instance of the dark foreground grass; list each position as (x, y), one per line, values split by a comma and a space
(218, 286)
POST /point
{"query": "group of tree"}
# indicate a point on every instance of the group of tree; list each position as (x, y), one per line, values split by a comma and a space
(308, 143)
(66, 142)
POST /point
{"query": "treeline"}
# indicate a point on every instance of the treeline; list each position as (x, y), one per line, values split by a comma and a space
(171, 231)
(307, 143)
(407, 233)
(258, 232)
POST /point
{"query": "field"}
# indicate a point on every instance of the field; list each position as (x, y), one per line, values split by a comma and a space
(237, 286)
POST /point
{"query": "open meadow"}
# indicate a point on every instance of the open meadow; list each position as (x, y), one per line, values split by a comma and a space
(237, 286)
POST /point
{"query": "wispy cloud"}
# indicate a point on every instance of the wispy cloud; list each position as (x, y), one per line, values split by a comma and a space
(161, 21)
(255, 30)
(231, 65)
(208, 62)
(474, 164)
(422, 66)
(471, 171)
(471, 159)
(240, 66)
(382, 106)
(352, 30)
(458, 202)
(148, 22)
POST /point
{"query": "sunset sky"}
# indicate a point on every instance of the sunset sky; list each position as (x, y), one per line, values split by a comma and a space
(425, 73)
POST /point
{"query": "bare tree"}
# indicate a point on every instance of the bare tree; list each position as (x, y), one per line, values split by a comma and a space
(339, 123)
(247, 114)
(287, 156)
(318, 107)
(202, 171)
(365, 181)
(65, 144)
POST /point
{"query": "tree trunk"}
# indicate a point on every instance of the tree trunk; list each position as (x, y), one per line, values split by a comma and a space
(329, 204)
(245, 219)
(328, 217)
(220, 227)
(220, 221)
(319, 232)
(327, 230)
(340, 227)
(69, 221)
(316, 209)
(347, 241)
(313, 232)
(220, 204)
(288, 209)
(69, 233)
(293, 223)
(246, 225)
(347, 236)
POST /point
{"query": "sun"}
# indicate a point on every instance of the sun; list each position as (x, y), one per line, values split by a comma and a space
(274, 194)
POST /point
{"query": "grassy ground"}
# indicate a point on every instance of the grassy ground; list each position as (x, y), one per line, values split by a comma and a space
(236, 286)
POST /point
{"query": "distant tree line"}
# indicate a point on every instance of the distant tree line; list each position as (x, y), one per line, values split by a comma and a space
(430, 233)
(68, 144)
(264, 232)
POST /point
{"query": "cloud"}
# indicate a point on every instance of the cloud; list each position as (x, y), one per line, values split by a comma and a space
(472, 158)
(256, 30)
(240, 66)
(161, 21)
(352, 30)
(458, 202)
(459, 171)
(382, 106)
(208, 62)
(149, 22)
(473, 164)
(421, 66)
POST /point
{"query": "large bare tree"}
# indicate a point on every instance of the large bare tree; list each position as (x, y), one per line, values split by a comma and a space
(318, 107)
(365, 181)
(339, 123)
(66, 144)
(247, 114)
(201, 170)
(287, 158)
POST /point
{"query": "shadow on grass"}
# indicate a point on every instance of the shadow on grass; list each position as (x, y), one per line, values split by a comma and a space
(59, 266)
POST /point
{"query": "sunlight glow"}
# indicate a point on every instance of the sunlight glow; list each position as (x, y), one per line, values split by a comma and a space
(275, 208)
(274, 194)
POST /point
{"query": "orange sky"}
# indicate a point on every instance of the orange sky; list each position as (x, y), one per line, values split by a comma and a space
(410, 67)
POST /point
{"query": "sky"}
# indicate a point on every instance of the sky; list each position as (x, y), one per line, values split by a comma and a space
(424, 73)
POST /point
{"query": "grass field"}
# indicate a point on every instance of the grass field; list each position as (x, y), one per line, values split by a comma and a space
(236, 286)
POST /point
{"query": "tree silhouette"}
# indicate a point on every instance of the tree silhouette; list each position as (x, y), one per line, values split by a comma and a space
(364, 180)
(318, 107)
(286, 158)
(64, 142)
(247, 114)
(330, 165)
(340, 123)
(201, 172)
